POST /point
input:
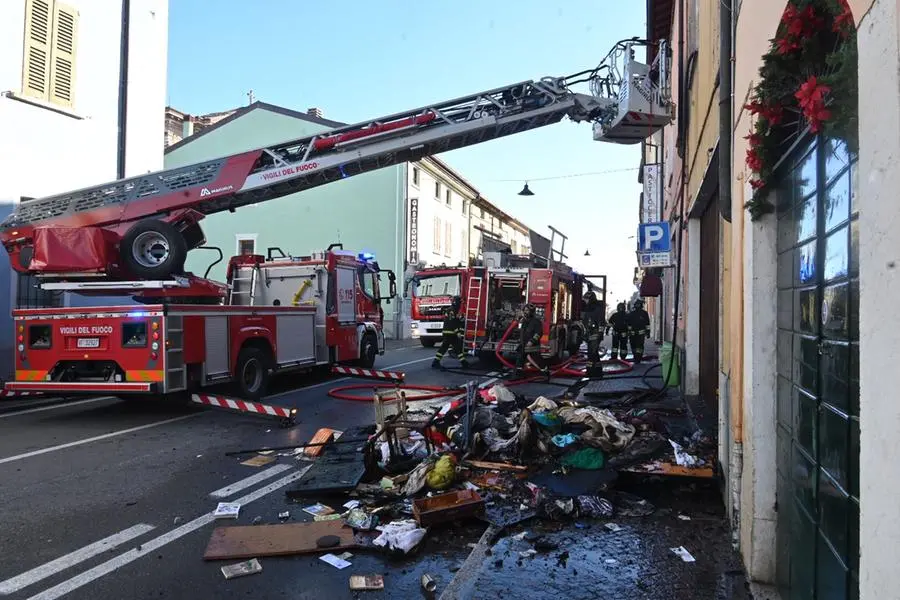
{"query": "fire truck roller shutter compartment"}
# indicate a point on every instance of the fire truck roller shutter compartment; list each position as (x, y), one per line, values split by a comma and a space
(296, 338)
(218, 348)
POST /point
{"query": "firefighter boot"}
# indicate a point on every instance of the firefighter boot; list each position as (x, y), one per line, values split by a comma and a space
(463, 363)
(436, 364)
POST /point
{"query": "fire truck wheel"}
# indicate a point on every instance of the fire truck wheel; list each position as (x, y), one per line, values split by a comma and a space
(428, 342)
(368, 350)
(153, 249)
(252, 373)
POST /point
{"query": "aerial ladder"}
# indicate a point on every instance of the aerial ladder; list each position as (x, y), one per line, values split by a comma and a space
(135, 233)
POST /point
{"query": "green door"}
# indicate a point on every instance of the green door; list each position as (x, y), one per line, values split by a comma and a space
(818, 374)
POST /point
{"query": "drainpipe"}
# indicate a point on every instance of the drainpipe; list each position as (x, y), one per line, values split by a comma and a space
(725, 109)
(123, 89)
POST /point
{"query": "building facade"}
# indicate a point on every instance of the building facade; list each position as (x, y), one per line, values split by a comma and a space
(449, 219)
(786, 302)
(409, 215)
(73, 111)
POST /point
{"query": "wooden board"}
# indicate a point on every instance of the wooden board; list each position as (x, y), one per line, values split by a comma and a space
(254, 541)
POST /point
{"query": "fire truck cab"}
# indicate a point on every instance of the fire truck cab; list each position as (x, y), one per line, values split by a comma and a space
(278, 313)
(432, 290)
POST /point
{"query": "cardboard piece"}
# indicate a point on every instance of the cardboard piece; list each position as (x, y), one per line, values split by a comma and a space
(276, 540)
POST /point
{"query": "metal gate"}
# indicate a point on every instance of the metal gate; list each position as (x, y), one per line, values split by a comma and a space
(818, 375)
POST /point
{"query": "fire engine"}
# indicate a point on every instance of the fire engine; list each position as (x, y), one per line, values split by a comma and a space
(495, 290)
(131, 237)
(277, 313)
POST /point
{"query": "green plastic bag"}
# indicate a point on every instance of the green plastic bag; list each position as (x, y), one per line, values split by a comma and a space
(587, 458)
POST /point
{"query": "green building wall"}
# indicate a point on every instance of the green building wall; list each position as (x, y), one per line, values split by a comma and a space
(366, 212)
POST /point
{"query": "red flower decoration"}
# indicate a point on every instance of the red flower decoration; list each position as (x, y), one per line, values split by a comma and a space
(754, 161)
(811, 98)
(843, 23)
(754, 107)
(757, 184)
(786, 45)
(755, 139)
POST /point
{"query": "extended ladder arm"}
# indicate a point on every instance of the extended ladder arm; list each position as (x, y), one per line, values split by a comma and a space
(625, 107)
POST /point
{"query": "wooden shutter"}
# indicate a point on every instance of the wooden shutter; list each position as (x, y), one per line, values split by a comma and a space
(36, 63)
(62, 56)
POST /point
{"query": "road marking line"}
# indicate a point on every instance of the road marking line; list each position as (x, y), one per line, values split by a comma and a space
(153, 545)
(58, 404)
(14, 584)
(243, 484)
(411, 362)
(93, 439)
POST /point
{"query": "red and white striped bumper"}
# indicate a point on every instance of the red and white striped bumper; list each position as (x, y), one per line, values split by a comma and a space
(372, 373)
(235, 404)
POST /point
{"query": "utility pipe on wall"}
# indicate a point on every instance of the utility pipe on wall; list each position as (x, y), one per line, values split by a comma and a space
(725, 108)
(122, 118)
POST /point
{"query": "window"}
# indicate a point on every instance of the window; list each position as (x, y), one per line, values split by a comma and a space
(415, 178)
(463, 205)
(436, 236)
(463, 246)
(367, 282)
(246, 244)
(437, 189)
(448, 239)
(448, 198)
(51, 40)
(482, 213)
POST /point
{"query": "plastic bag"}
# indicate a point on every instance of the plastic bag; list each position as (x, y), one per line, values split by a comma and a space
(443, 473)
(400, 535)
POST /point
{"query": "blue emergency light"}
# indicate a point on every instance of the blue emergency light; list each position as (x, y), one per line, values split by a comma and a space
(366, 256)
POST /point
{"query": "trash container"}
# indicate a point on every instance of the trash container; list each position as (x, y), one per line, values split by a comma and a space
(667, 357)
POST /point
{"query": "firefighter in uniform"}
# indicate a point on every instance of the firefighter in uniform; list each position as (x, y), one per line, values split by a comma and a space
(530, 340)
(593, 317)
(639, 329)
(452, 334)
(619, 322)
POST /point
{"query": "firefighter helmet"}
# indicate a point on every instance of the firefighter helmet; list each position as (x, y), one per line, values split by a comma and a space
(590, 297)
(529, 310)
(455, 302)
(639, 303)
(621, 307)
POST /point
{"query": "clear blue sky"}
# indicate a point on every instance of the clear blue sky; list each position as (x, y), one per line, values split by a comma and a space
(357, 60)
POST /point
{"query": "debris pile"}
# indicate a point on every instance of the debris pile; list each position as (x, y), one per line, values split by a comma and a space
(490, 455)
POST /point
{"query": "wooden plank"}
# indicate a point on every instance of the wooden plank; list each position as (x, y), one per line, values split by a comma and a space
(322, 436)
(663, 468)
(254, 541)
(480, 464)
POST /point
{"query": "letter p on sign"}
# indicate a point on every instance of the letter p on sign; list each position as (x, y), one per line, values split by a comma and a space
(654, 237)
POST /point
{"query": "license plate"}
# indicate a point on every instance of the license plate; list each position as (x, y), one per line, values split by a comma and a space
(88, 342)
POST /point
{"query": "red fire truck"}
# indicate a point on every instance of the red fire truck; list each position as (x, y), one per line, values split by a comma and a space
(493, 297)
(131, 237)
(277, 313)
(432, 290)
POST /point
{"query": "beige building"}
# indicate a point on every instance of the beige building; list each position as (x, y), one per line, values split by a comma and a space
(790, 306)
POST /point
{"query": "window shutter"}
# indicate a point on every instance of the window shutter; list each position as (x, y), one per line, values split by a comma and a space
(62, 64)
(36, 63)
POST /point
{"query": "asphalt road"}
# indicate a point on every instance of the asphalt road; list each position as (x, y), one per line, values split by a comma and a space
(102, 498)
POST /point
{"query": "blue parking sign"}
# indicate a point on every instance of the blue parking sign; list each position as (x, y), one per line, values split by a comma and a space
(654, 237)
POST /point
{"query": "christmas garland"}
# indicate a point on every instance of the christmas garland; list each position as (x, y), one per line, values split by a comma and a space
(808, 78)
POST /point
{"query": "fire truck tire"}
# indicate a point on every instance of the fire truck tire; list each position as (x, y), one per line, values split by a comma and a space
(153, 249)
(428, 342)
(368, 350)
(252, 373)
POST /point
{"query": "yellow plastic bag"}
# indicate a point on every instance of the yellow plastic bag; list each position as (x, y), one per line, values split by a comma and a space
(443, 473)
